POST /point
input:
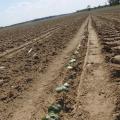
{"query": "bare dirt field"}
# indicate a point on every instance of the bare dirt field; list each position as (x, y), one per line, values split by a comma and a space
(67, 68)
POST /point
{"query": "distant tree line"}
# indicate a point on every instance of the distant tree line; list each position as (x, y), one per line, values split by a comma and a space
(114, 2)
(109, 3)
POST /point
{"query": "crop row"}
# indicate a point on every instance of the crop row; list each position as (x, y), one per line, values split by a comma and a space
(66, 90)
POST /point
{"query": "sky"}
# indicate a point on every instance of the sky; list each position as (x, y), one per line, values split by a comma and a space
(16, 11)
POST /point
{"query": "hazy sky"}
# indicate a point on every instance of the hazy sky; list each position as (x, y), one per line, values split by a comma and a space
(15, 11)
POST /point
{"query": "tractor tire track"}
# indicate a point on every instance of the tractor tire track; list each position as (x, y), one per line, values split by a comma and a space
(46, 34)
(95, 100)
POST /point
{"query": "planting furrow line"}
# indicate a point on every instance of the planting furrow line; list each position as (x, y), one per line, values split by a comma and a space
(94, 100)
(47, 34)
(65, 91)
(110, 40)
(41, 95)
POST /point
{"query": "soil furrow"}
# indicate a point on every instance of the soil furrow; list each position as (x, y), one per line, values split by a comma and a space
(62, 68)
(70, 77)
(94, 100)
(109, 38)
(18, 49)
(39, 94)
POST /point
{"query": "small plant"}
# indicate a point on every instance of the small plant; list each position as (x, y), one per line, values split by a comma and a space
(63, 88)
(66, 85)
(72, 60)
(53, 112)
(55, 108)
(51, 116)
(69, 67)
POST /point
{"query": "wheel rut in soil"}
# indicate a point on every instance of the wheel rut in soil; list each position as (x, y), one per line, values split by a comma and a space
(17, 49)
(94, 100)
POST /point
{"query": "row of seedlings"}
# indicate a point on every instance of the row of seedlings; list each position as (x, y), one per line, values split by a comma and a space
(74, 68)
(71, 77)
(55, 109)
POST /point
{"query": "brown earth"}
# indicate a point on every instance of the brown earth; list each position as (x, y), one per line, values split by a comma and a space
(32, 68)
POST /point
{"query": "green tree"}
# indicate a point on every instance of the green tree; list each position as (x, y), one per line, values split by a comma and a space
(114, 2)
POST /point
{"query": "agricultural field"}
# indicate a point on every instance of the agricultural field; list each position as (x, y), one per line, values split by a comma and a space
(64, 68)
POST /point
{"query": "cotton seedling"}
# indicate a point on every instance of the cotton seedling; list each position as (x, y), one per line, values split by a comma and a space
(69, 67)
(72, 60)
(53, 112)
(63, 88)
(66, 85)
(51, 116)
(56, 108)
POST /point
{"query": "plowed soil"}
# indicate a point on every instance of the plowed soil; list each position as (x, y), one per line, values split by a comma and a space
(81, 50)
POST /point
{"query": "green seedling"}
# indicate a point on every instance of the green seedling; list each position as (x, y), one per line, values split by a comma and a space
(72, 60)
(54, 116)
(67, 64)
(69, 67)
(56, 108)
(66, 85)
(62, 89)
(51, 116)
